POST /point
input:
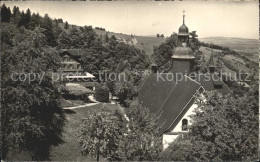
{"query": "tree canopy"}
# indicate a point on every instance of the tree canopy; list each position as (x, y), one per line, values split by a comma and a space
(223, 128)
(31, 117)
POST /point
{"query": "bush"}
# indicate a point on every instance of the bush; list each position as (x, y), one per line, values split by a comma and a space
(102, 93)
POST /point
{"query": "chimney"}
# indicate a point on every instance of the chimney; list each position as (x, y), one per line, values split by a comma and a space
(212, 66)
(154, 67)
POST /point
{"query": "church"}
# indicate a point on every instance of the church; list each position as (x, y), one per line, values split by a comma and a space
(174, 101)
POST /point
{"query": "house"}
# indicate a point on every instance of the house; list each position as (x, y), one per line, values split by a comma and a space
(72, 69)
(173, 99)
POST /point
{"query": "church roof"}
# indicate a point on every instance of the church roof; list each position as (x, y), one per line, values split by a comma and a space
(167, 98)
(170, 100)
(211, 81)
(183, 53)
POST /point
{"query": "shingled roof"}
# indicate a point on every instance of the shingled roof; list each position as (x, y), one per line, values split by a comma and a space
(211, 82)
(72, 52)
(169, 99)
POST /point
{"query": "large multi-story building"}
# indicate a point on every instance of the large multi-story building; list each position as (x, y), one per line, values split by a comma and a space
(72, 69)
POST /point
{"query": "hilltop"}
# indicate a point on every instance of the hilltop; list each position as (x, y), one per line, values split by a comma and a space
(145, 43)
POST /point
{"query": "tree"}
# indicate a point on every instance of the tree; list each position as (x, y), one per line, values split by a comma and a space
(223, 128)
(102, 93)
(35, 21)
(47, 24)
(27, 18)
(22, 20)
(162, 53)
(66, 25)
(194, 36)
(31, 117)
(16, 15)
(60, 20)
(99, 134)
(106, 37)
(5, 14)
(124, 88)
(162, 36)
(141, 142)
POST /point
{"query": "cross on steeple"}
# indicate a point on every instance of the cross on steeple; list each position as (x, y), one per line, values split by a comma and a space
(183, 15)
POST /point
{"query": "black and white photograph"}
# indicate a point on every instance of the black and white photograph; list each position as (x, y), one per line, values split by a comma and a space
(129, 80)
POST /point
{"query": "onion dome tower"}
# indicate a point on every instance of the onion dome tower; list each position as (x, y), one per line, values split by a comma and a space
(183, 57)
(183, 34)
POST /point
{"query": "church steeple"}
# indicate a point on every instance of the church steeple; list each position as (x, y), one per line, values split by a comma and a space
(183, 34)
(183, 16)
(183, 55)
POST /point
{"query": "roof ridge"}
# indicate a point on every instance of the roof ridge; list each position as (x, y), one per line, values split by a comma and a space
(193, 80)
(145, 80)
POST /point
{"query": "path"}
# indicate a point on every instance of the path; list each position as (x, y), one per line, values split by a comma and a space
(80, 106)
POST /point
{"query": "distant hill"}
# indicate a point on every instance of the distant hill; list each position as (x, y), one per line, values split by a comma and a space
(145, 43)
(246, 47)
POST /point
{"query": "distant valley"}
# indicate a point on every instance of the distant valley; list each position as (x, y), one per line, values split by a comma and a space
(246, 47)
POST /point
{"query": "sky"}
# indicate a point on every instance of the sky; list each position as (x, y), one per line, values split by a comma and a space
(224, 19)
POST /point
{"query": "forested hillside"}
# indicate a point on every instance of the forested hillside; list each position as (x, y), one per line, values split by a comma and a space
(30, 45)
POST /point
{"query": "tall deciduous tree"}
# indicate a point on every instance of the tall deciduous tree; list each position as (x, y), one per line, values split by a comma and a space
(162, 53)
(141, 142)
(99, 134)
(31, 117)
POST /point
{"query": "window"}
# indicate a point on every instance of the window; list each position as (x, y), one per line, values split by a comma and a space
(184, 124)
(65, 59)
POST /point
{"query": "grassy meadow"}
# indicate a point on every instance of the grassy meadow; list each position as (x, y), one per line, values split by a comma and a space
(70, 149)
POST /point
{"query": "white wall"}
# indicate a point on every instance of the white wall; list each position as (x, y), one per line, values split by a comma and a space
(178, 127)
(169, 138)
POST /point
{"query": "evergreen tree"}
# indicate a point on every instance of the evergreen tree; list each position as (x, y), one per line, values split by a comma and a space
(22, 20)
(35, 21)
(5, 14)
(27, 18)
(16, 15)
